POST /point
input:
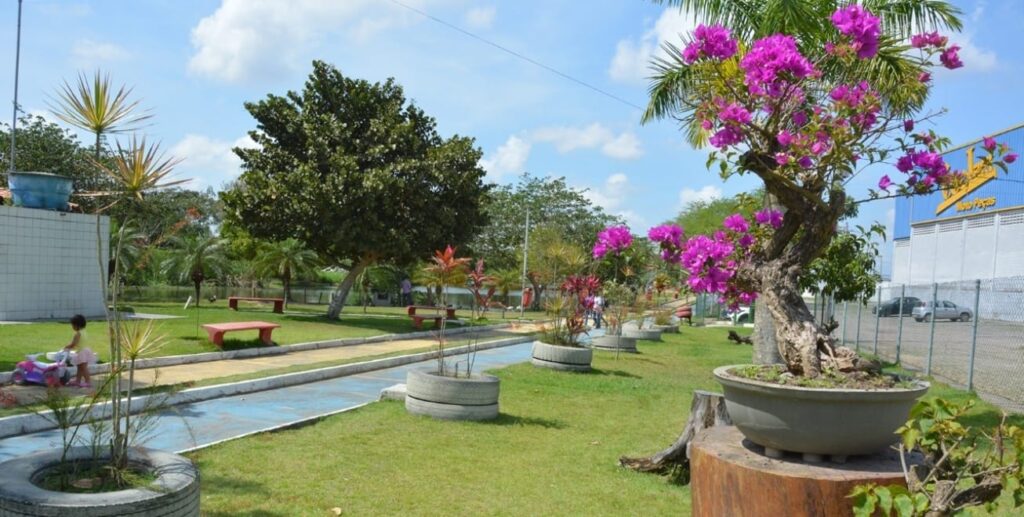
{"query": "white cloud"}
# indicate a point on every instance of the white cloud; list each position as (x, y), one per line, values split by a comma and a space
(974, 57)
(613, 195)
(631, 62)
(88, 52)
(510, 157)
(565, 139)
(706, 193)
(261, 38)
(480, 17)
(208, 162)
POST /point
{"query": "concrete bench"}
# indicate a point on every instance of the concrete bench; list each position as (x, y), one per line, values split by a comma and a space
(418, 313)
(216, 330)
(278, 302)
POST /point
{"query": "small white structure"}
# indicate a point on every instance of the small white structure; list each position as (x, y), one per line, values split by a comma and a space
(48, 264)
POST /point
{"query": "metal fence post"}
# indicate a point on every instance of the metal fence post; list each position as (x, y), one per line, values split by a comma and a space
(878, 319)
(860, 308)
(974, 334)
(846, 310)
(899, 331)
(931, 336)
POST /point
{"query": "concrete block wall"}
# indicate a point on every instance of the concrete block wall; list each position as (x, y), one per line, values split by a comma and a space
(48, 264)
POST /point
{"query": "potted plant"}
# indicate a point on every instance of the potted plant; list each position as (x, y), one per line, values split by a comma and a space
(117, 476)
(663, 320)
(620, 298)
(636, 329)
(806, 115)
(444, 391)
(559, 347)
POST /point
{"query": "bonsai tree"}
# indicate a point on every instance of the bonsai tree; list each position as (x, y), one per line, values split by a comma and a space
(805, 116)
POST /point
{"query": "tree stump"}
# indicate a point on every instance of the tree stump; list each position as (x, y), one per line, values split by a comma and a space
(706, 410)
(732, 477)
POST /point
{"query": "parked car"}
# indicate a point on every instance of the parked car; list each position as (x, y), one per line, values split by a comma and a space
(740, 316)
(892, 307)
(943, 310)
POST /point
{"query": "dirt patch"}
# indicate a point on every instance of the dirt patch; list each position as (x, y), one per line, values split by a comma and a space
(830, 379)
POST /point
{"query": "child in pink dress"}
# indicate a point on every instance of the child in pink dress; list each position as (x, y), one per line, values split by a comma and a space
(84, 355)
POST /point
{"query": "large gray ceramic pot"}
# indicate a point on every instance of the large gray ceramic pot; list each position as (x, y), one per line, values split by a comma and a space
(816, 421)
(558, 357)
(174, 492)
(451, 398)
(620, 343)
(648, 334)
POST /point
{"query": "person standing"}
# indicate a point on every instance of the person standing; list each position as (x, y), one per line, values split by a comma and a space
(598, 310)
(406, 291)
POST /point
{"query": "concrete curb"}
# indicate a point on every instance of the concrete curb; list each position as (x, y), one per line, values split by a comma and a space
(247, 353)
(35, 422)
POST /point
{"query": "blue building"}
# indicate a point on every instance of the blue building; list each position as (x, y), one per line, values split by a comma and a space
(972, 231)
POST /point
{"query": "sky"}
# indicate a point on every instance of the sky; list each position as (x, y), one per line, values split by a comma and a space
(194, 63)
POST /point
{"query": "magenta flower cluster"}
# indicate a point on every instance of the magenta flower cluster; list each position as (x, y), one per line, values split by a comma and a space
(862, 27)
(614, 239)
(711, 42)
(669, 238)
(928, 39)
(772, 64)
(769, 217)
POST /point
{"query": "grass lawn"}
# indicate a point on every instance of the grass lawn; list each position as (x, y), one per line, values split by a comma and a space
(301, 323)
(552, 451)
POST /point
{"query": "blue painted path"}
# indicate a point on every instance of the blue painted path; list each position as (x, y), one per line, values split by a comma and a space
(217, 420)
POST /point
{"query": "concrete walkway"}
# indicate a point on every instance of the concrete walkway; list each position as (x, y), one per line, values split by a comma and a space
(205, 423)
(194, 372)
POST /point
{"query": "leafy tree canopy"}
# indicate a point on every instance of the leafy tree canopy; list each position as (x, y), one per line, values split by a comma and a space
(357, 173)
(551, 202)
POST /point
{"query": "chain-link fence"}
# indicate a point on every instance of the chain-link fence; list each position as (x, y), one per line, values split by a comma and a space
(968, 333)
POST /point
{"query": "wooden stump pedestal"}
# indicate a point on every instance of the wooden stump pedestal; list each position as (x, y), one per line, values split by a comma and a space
(731, 477)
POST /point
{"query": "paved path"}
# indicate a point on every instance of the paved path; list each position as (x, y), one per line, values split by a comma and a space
(187, 373)
(205, 423)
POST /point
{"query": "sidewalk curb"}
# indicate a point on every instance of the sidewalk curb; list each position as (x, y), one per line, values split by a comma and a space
(35, 422)
(247, 353)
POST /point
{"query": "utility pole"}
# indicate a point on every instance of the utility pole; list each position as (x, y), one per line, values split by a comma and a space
(526, 245)
(17, 65)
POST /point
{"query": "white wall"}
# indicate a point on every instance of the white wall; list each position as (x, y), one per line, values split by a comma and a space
(48, 264)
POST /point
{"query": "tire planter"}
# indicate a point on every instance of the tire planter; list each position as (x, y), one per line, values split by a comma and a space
(816, 421)
(450, 398)
(667, 329)
(176, 492)
(620, 343)
(648, 334)
(557, 357)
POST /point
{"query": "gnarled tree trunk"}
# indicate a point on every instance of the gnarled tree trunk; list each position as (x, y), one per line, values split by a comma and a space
(341, 294)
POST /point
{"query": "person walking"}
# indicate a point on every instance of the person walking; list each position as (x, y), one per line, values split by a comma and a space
(598, 310)
(406, 291)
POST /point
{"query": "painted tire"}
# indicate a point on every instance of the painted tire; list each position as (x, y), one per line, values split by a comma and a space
(448, 398)
(558, 357)
(176, 492)
(623, 344)
(645, 334)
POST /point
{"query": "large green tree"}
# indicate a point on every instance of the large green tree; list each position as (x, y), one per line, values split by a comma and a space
(356, 172)
(551, 203)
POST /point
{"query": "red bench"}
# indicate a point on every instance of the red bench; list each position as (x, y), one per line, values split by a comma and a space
(432, 313)
(216, 330)
(278, 302)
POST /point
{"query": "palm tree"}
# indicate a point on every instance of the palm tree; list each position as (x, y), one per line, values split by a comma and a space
(506, 281)
(287, 260)
(893, 73)
(94, 107)
(195, 260)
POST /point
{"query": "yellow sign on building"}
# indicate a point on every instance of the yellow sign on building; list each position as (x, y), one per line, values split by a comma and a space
(977, 174)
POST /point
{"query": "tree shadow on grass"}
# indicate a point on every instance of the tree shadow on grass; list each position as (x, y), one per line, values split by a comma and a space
(505, 419)
(386, 325)
(612, 373)
(237, 488)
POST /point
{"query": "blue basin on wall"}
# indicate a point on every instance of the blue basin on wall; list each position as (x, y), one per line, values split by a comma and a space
(39, 190)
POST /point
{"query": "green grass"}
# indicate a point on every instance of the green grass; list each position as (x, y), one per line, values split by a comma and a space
(552, 451)
(300, 324)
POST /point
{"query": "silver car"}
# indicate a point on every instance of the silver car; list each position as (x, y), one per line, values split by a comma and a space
(943, 310)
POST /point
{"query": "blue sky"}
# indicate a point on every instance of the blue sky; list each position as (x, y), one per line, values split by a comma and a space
(195, 62)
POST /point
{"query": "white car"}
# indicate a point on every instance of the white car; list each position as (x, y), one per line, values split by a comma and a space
(740, 316)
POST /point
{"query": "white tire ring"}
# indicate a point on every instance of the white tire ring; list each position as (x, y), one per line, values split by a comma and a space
(416, 406)
(562, 354)
(560, 366)
(177, 494)
(428, 387)
(645, 334)
(623, 344)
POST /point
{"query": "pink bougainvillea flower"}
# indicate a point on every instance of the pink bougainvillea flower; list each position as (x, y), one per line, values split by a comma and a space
(884, 183)
(950, 59)
(924, 77)
(805, 162)
(989, 144)
(614, 239)
(736, 223)
(861, 26)
(1010, 158)
(928, 39)
(714, 42)
(908, 125)
(800, 118)
(781, 158)
(772, 64)
(784, 138)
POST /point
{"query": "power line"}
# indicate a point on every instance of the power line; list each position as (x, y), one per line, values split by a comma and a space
(517, 54)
